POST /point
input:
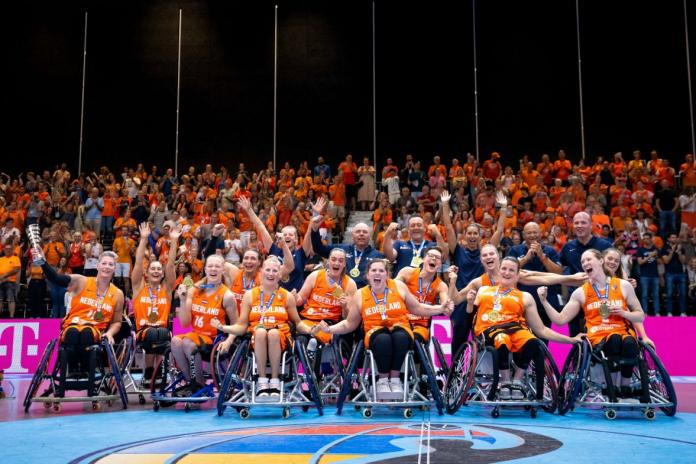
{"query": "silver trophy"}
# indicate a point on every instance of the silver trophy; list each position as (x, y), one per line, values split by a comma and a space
(34, 236)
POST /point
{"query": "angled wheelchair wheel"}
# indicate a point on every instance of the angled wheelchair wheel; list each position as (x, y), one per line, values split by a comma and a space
(348, 377)
(460, 377)
(116, 372)
(219, 363)
(572, 377)
(429, 370)
(39, 374)
(310, 377)
(444, 368)
(550, 380)
(660, 384)
(162, 376)
(234, 368)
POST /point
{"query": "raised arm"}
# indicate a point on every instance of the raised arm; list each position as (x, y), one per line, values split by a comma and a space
(497, 236)
(571, 309)
(439, 239)
(170, 267)
(388, 245)
(550, 278)
(137, 274)
(447, 220)
(261, 230)
(288, 260)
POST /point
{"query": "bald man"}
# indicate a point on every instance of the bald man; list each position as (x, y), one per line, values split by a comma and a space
(534, 256)
(573, 250)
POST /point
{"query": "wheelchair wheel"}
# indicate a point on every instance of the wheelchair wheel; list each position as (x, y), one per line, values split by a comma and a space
(427, 367)
(492, 391)
(572, 377)
(550, 380)
(661, 388)
(116, 372)
(234, 368)
(460, 377)
(310, 377)
(348, 377)
(162, 376)
(444, 368)
(39, 374)
(219, 363)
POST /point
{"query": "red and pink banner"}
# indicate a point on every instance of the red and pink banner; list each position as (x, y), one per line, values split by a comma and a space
(22, 341)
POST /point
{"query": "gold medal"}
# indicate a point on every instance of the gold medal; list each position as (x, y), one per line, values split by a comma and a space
(382, 311)
(604, 310)
(337, 292)
(188, 282)
(285, 279)
(153, 317)
(99, 316)
(493, 316)
(416, 261)
(354, 273)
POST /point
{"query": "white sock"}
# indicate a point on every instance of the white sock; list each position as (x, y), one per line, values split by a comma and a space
(395, 380)
(275, 383)
(263, 381)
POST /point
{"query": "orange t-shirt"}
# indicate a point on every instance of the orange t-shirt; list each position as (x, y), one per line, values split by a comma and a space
(338, 194)
(387, 314)
(206, 307)
(240, 285)
(86, 304)
(322, 303)
(143, 306)
(598, 328)
(426, 293)
(511, 308)
(272, 312)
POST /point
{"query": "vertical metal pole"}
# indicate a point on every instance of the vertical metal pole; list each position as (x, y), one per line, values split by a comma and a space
(688, 74)
(374, 95)
(178, 99)
(476, 107)
(82, 102)
(582, 110)
(275, 84)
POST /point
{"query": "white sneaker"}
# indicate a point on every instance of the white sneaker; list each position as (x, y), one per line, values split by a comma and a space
(396, 387)
(274, 390)
(504, 392)
(382, 389)
(517, 391)
(262, 389)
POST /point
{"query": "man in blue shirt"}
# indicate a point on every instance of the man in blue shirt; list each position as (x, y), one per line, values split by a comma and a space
(468, 259)
(674, 258)
(357, 255)
(647, 257)
(533, 256)
(411, 253)
(573, 250)
(322, 168)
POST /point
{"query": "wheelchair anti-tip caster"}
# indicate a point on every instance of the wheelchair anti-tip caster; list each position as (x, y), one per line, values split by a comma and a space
(96, 406)
(610, 414)
(533, 412)
(286, 413)
(187, 407)
(408, 413)
(156, 406)
(141, 399)
(495, 413)
(57, 407)
(244, 413)
(367, 413)
(649, 414)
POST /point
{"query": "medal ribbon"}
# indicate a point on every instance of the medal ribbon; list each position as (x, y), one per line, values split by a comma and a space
(601, 298)
(357, 257)
(417, 252)
(499, 296)
(153, 299)
(244, 283)
(382, 302)
(420, 289)
(267, 305)
(100, 298)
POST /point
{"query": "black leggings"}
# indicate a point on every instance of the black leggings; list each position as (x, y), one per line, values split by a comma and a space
(531, 350)
(76, 342)
(389, 348)
(622, 353)
(155, 339)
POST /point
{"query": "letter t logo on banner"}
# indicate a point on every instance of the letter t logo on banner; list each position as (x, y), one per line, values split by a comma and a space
(17, 335)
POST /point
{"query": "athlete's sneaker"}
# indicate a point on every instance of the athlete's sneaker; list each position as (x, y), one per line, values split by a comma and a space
(504, 392)
(262, 391)
(517, 391)
(396, 387)
(383, 390)
(274, 390)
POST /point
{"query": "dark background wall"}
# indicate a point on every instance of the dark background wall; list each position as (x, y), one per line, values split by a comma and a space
(634, 76)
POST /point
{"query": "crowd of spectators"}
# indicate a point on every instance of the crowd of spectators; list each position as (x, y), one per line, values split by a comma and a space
(644, 207)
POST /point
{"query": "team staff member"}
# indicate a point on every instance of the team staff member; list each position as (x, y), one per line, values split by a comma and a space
(426, 286)
(289, 236)
(535, 256)
(96, 308)
(383, 309)
(152, 290)
(266, 313)
(468, 260)
(574, 249)
(609, 305)
(10, 266)
(325, 294)
(504, 317)
(358, 255)
(410, 253)
(203, 304)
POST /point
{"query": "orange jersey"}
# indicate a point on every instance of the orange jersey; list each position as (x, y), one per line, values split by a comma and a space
(486, 281)
(599, 328)
(272, 312)
(143, 306)
(387, 314)
(323, 303)
(240, 285)
(205, 308)
(426, 293)
(87, 304)
(497, 306)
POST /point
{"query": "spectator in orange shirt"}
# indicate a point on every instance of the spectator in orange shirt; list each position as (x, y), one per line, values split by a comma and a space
(350, 172)
(666, 172)
(688, 171)
(545, 169)
(437, 169)
(492, 167)
(618, 167)
(599, 219)
(562, 167)
(654, 163)
(636, 163)
(621, 221)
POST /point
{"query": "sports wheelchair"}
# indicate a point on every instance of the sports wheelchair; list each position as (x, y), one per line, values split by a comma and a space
(586, 381)
(168, 380)
(298, 383)
(420, 391)
(474, 377)
(102, 379)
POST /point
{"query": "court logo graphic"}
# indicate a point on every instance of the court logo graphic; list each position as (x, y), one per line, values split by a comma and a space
(355, 443)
